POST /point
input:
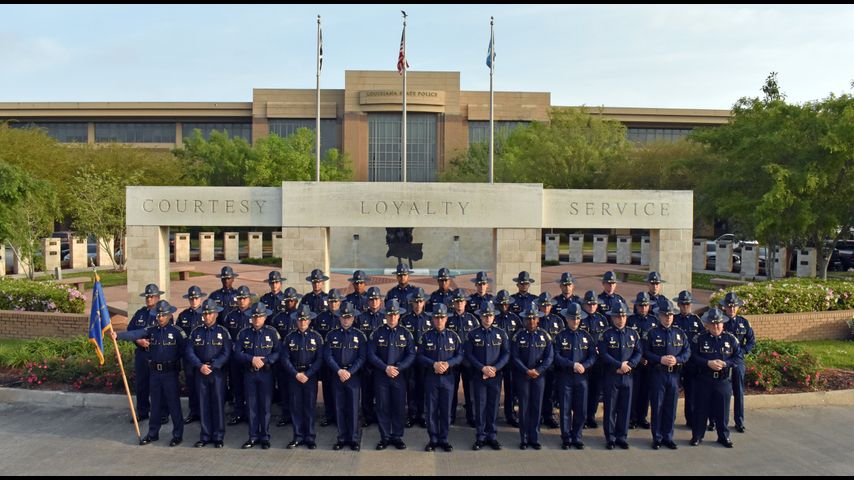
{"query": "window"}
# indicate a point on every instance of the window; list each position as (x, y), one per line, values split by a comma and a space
(135, 132)
(234, 130)
(649, 135)
(64, 132)
(479, 130)
(330, 130)
(384, 138)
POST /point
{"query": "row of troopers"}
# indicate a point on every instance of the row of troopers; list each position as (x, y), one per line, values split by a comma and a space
(551, 359)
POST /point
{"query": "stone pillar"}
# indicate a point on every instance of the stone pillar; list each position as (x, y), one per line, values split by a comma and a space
(781, 265)
(698, 259)
(624, 250)
(516, 250)
(576, 248)
(553, 247)
(723, 256)
(79, 251)
(148, 262)
(303, 250)
(749, 261)
(256, 244)
(231, 247)
(600, 248)
(51, 251)
(182, 247)
(2, 260)
(20, 266)
(670, 255)
(102, 257)
(645, 251)
(277, 244)
(807, 262)
(206, 246)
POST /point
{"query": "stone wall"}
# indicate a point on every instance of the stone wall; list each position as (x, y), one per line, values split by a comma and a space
(517, 249)
(802, 326)
(303, 250)
(26, 325)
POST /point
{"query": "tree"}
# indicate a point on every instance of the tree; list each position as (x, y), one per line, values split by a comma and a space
(220, 161)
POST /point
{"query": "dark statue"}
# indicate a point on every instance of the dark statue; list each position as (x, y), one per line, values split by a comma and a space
(399, 241)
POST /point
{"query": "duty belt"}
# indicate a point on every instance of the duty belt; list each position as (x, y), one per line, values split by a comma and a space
(673, 369)
(163, 367)
(720, 376)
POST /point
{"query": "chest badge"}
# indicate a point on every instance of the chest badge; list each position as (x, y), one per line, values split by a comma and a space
(267, 339)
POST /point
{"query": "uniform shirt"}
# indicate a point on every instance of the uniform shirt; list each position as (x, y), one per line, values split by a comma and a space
(488, 347)
(302, 352)
(532, 351)
(475, 301)
(142, 319)
(264, 342)
(189, 319)
(564, 301)
(358, 301)
(605, 301)
(552, 324)
(522, 302)
(509, 322)
(273, 300)
(642, 323)
(166, 344)
(400, 293)
(444, 346)
(574, 346)
(618, 346)
(282, 322)
(391, 347)
(661, 341)
(236, 321)
(690, 324)
(655, 299)
(209, 346)
(462, 324)
(223, 296)
(325, 323)
(437, 297)
(595, 324)
(345, 349)
(740, 327)
(417, 324)
(315, 301)
(368, 322)
(724, 347)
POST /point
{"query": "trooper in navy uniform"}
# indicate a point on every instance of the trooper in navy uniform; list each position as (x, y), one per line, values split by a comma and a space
(325, 323)
(316, 299)
(234, 322)
(345, 353)
(691, 324)
(620, 352)
(522, 299)
(654, 281)
(302, 359)
(283, 321)
(462, 323)
(552, 323)
(187, 321)
(716, 354)
(273, 298)
(442, 296)
(143, 318)
(439, 352)
(166, 347)
(609, 293)
(417, 321)
(740, 327)
(595, 324)
(357, 297)
(391, 352)
(481, 284)
(403, 289)
(208, 349)
(575, 355)
(667, 348)
(368, 322)
(642, 320)
(223, 295)
(510, 323)
(567, 292)
(256, 348)
(488, 351)
(531, 354)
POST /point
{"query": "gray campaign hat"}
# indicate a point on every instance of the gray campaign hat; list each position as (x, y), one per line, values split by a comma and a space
(290, 293)
(334, 295)
(566, 279)
(523, 277)
(359, 276)
(573, 311)
(545, 299)
(618, 308)
(227, 272)
(684, 297)
(666, 307)
(642, 299)
(416, 295)
(275, 276)
(347, 310)
(730, 300)
(590, 298)
(714, 315)
(259, 309)
(504, 297)
(374, 292)
(653, 277)
(480, 278)
(303, 312)
(459, 295)
(609, 277)
(440, 310)
(443, 274)
(316, 276)
(402, 270)
(163, 308)
(210, 306)
(243, 292)
(392, 307)
(532, 312)
(151, 290)
(194, 292)
(487, 307)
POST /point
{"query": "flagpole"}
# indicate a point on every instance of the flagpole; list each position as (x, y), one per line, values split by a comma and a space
(403, 142)
(491, 100)
(317, 129)
(127, 388)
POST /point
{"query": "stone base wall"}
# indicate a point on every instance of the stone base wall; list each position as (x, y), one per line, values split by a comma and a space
(27, 325)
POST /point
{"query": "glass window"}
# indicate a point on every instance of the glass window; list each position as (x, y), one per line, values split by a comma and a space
(233, 129)
(66, 132)
(384, 137)
(330, 130)
(648, 135)
(479, 130)
(135, 132)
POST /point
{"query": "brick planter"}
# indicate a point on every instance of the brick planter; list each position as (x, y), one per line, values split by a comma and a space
(802, 326)
(26, 325)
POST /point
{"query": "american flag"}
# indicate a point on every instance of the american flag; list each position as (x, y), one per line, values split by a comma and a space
(401, 57)
(320, 50)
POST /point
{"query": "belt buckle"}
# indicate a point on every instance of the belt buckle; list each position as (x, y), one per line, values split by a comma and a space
(670, 369)
(159, 367)
(716, 375)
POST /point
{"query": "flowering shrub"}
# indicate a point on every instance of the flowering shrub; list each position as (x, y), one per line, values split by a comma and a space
(792, 295)
(782, 364)
(30, 296)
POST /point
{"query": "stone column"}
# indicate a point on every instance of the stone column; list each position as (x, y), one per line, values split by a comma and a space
(51, 251)
(670, 255)
(600, 248)
(303, 250)
(256, 244)
(277, 244)
(576, 248)
(20, 266)
(102, 258)
(182, 247)
(807, 262)
(516, 250)
(553, 247)
(698, 259)
(723, 256)
(624, 250)
(148, 262)
(2, 260)
(645, 250)
(79, 251)
(749, 261)
(781, 265)
(206, 246)
(231, 247)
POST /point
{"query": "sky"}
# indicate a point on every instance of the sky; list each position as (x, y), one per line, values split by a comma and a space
(617, 56)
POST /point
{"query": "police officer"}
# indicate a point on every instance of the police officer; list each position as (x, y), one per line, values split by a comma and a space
(553, 324)
(488, 352)
(567, 295)
(510, 323)
(302, 359)
(691, 324)
(143, 318)
(442, 296)
(462, 323)
(207, 353)
(403, 289)
(357, 297)
(256, 348)
(417, 321)
(316, 299)
(620, 351)
(653, 282)
(667, 348)
(595, 324)
(368, 322)
(740, 327)
(481, 284)
(187, 321)
(642, 320)
(239, 319)
(716, 354)
(532, 354)
(345, 354)
(609, 292)
(273, 298)
(522, 299)
(222, 295)
(575, 355)
(283, 321)
(440, 352)
(325, 323)
(391, 352)
(166, 347)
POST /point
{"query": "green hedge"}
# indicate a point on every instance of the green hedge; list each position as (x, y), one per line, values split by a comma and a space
(26, 295)
(792, 295)
(782, 364)
(272, 261)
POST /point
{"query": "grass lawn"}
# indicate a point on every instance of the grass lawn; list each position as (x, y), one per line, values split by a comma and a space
(832, 353)
(113, 279)
(698, 280)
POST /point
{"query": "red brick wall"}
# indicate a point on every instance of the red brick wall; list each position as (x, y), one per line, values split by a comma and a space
(40, 324)
(802, 326)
